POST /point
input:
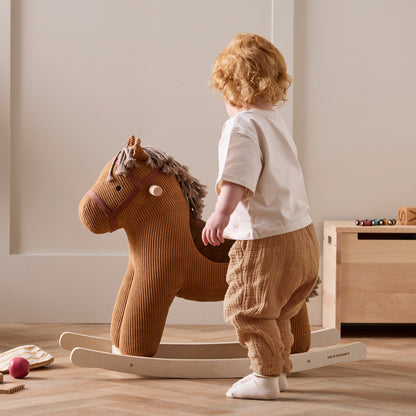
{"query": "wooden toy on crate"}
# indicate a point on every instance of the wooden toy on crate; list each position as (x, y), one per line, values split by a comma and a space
(159, 205)
(407, 216)
(368, 222)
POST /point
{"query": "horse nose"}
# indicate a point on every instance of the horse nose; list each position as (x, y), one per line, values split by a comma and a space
(91, 216)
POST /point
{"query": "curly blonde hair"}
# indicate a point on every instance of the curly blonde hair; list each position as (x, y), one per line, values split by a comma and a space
(249, 68)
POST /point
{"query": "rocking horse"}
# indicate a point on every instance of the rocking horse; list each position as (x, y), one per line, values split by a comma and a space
(159, 205)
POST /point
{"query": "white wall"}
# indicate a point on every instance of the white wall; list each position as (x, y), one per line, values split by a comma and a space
(77, 77)
(86, 74)
(355, 107)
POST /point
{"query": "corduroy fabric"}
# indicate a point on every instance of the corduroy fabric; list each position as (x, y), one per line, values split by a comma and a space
(269, 280)
(164, 260)
(164, 263)
(301, 331)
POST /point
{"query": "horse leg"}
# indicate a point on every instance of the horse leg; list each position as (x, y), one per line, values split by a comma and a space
(145, 316)
(301, 331)
(120, 306)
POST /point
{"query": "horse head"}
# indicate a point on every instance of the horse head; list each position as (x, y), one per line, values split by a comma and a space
(129, 190)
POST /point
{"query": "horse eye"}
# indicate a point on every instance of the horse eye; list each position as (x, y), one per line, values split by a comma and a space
(118, 188)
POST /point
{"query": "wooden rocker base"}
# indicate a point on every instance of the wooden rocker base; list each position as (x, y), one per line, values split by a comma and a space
(215, 360)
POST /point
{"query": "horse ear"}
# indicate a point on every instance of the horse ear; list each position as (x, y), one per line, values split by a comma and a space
(130, 141)
(138, 152)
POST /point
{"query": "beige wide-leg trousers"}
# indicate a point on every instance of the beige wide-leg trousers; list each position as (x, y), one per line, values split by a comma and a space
(269, 280)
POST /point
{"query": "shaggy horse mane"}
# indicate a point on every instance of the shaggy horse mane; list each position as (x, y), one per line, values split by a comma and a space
(191, 188)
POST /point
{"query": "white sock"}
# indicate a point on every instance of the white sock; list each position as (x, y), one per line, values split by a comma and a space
(255, 387)
(283, 384)
(115, 350)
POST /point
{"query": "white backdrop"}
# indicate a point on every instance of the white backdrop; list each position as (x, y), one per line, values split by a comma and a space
(354, 106)
(77, 78)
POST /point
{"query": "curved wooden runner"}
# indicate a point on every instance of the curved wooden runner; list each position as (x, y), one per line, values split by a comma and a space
(216, 360)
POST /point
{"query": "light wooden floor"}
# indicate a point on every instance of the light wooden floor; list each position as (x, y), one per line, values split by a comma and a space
(384, 384)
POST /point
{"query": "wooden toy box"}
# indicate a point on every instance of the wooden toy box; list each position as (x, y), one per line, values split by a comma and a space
(369, 274)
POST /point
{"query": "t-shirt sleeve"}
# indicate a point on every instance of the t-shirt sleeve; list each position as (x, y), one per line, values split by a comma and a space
(240, 161)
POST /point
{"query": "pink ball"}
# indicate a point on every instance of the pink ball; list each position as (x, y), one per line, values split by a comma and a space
(19, 367)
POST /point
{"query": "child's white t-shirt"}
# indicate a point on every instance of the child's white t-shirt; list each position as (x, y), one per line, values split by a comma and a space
(257, 151)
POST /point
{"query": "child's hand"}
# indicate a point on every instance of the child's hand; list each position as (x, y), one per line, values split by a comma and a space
(213, 232)
(230, 195)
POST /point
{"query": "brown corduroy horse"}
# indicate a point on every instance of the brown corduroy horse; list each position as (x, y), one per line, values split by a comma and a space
(159, 205)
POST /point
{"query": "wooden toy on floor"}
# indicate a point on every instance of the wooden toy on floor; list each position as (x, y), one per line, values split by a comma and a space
(19, 367)
(167, 259)
(8, 388)
(35, 355)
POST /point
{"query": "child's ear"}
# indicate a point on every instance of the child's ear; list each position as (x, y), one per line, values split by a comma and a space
(130, 141)
(138, 152)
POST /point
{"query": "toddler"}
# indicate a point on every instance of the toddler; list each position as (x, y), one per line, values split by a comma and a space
(262, 204)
